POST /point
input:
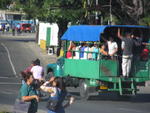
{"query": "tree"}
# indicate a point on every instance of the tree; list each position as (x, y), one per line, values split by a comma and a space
(145, 20)
(30, 7)
(4, 4)
(79, 11)
(54, 11)
(131, 10)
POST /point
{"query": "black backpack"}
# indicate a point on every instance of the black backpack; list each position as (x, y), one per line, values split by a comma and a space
(53, 104)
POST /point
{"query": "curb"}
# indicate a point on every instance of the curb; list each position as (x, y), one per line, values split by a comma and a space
(9, 109)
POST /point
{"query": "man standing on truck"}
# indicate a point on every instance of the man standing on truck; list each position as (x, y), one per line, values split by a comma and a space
(127, 47)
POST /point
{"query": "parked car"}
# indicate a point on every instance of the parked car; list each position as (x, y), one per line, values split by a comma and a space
(25, 27)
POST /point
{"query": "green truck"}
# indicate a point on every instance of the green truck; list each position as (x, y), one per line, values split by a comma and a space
(102, 74)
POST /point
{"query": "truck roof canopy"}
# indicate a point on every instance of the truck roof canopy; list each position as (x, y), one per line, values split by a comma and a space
(90, 32)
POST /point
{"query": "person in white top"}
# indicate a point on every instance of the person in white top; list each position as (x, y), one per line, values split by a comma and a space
(91, 48)
(112, 47)
(37, 70)
(77, 55)
(86, 49)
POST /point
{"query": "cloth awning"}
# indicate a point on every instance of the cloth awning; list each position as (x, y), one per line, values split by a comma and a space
(90, 32)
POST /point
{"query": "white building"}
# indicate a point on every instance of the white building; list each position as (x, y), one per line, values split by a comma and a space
(9, 15)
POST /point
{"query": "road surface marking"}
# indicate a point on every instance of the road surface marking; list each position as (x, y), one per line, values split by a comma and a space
(13, 68)
(130, 110)
(8, 83)
(7, 77)
(4, 77)
(9, 91)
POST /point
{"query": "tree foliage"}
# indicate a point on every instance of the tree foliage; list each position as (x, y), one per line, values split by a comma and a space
(79, 11)
(145, 20)
(5, 3)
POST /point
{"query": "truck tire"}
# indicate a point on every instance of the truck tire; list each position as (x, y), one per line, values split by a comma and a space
(84, 92)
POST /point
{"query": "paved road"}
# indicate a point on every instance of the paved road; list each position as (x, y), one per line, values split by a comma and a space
(21, 55)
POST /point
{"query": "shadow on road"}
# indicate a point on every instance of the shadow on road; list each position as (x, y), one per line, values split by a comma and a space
(24, 37)
(139, 98)
(22, 40)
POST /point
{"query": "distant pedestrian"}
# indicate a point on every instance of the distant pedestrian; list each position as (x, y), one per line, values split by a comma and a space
(58, 93)
(32, 28)
(28, 93)
(18, 27)
(3, 27)
(13, 29)
(7, 27)
(0, 27)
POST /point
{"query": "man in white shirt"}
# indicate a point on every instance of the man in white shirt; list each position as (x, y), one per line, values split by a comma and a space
(37, 70)
(112, 47)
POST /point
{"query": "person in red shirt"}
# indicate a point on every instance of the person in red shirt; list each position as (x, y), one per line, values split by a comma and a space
(28, 69)
(145, 54)
(70, 49)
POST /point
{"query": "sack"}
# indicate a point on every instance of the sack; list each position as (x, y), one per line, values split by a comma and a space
(21, 106)
(52, 104)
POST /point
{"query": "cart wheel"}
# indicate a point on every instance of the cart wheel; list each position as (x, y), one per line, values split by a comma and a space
(84, 93)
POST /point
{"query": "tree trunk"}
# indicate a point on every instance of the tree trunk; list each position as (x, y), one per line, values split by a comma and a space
(62, 24)
(132, 10)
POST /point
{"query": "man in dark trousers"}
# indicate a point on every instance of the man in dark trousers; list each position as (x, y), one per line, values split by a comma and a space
(13, 29)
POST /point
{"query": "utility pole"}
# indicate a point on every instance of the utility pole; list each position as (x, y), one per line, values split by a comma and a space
(110, 11)
(96, 13)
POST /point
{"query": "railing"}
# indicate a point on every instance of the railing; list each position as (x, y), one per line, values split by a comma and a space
(98, 55)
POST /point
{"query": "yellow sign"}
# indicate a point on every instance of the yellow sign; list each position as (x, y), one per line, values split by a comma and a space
(43, 44)
(103, 87)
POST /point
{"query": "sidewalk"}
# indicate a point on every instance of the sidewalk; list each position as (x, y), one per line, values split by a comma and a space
(4, 109)
(44, 57)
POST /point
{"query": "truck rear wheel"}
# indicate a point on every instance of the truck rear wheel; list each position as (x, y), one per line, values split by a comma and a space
(84, 92)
